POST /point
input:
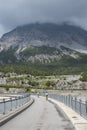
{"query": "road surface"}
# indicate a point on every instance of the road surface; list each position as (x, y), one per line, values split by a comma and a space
(42, 115)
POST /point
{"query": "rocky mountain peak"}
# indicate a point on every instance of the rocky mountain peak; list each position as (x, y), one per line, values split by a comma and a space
(44, 42)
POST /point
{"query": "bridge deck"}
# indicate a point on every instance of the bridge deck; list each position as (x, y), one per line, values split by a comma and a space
(42, 115)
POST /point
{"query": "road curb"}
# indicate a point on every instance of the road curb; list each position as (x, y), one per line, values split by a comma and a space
(5, 118)
(78, 122)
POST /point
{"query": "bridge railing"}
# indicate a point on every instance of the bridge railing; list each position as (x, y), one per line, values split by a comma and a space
(77, 104)
(12, 103)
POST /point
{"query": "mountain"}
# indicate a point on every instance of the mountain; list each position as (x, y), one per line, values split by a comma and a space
(45, 44)
(46, 34)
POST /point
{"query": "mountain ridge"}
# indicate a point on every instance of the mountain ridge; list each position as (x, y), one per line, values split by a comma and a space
(48, 44)
(45, 34)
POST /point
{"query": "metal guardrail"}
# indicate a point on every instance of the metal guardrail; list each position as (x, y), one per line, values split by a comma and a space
(78, 105)
(12, 103)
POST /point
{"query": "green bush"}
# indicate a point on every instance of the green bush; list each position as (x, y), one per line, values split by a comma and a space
(83, 77)
(50, 83)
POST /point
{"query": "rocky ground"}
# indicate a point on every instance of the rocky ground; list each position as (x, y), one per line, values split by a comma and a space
(41, 83)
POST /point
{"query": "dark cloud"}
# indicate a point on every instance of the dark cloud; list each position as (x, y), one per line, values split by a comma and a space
(18, 12)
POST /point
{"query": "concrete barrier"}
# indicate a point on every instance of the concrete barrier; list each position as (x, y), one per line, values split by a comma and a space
(78, 121)
(5, 118)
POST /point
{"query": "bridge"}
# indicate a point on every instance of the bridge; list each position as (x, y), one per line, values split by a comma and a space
(43, 115)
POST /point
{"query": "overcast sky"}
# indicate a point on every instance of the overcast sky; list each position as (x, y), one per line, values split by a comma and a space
(17, 12)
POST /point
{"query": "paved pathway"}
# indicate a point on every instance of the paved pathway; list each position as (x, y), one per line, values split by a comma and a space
(42, 115)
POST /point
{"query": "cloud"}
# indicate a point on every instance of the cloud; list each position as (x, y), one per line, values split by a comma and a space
(17, 12)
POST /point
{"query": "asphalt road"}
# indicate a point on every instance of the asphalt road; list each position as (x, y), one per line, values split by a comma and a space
(42, 115)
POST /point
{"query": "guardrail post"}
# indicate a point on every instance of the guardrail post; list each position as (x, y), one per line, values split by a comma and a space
(11, 104)
(16, 102)
(80, 106)
(4, 106)
(75, 103)
(66, 100)
(19, 101)
(27, 98)
(63, 98)
(86, 106)
(72, 102)
(69, 101)
(23, 100)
